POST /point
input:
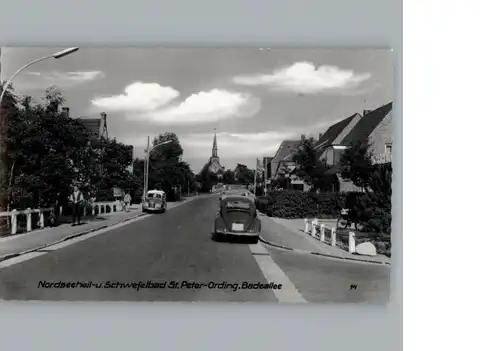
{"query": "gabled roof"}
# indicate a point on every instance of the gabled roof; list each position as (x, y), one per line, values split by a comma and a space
(367, 125)
(333, 132)
(286, 147)
(91, 124)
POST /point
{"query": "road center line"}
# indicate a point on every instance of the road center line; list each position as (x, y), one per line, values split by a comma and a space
(273, 273)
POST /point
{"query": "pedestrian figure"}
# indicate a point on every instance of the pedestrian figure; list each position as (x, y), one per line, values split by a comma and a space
(76, 198)
(127, 199)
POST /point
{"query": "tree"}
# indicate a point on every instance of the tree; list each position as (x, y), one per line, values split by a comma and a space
(166, 168)
(43, 151)
(356, 163)
(206, 179)
(310, 168)
(372, 208)
(111, 169)
(228, 177)
(243, 175)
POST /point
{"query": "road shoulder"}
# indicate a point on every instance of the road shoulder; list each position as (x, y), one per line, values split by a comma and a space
(276, 233)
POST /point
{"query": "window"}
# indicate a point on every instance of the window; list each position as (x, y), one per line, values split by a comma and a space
(238, 204)
(388, 149)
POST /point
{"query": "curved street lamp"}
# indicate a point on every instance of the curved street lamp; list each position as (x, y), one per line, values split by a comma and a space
(56, 56)
(146, 165)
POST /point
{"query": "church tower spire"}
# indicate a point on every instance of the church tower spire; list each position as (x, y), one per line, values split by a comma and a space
(214, 147)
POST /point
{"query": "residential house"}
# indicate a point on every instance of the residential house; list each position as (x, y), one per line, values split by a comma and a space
(285, 148)
(374, 126)
(286, 166)
(266, 164)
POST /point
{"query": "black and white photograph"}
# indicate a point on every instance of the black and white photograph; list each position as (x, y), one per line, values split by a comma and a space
(196, 174)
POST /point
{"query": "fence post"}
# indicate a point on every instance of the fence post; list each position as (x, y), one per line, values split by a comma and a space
(352, 242)
(313, 227)
(13, 219)
(41, 219)
(28, 219)
(60, 210)
(306, 225)
(322, 232)
(93, 209)
(334, 236)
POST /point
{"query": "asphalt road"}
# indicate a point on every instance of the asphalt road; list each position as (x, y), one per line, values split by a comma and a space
(176, 248)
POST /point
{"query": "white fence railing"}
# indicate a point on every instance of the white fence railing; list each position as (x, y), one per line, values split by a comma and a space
(97, 208)
(326, 232)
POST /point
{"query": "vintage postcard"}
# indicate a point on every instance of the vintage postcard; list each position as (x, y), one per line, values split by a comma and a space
(196, 174)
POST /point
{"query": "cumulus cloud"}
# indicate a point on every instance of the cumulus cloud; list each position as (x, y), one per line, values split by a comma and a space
(304, 77)
(206, 107)
(63, 79)
(235, 144)
(138, 97)
(151, 102)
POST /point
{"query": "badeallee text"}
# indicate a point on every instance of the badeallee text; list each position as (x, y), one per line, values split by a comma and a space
(151, 284)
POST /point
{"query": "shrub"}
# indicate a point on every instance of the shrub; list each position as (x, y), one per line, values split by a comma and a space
(329, 204)
(299, 204)
(262, 203)
(292, 204)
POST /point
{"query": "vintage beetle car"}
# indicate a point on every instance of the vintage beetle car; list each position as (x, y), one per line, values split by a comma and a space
(237, 216)
(155, 201)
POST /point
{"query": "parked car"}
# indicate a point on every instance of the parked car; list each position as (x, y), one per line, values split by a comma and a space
(155, 201)
(237, 216)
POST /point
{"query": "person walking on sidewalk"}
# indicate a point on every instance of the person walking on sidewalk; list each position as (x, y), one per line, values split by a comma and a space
(127, 199)
(76, 198)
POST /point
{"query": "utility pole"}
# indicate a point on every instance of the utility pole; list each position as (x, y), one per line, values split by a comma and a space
(146, 169)
(265, 177)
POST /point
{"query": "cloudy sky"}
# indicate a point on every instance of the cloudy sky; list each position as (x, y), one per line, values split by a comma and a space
(255, 98)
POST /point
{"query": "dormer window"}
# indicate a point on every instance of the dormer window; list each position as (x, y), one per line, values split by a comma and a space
(388, 149)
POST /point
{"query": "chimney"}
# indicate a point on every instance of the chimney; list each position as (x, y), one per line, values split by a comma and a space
(365, 112)
(320, 135)
(65, 112)
(103, 125)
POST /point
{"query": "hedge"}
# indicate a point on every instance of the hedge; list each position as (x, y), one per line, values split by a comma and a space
(370, 211)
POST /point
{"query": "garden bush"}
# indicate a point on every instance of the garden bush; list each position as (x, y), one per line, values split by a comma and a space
(262, 203)
(292, 204)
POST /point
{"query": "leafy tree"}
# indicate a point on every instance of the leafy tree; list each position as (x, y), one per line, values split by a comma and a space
(372, 208)
(244, 175)
(111, 169)
(166, 168)
(43, 151)
(356, 163)
(228, 177)
(310, 168)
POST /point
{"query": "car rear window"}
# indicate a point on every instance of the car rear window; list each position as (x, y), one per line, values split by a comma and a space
(238, 204)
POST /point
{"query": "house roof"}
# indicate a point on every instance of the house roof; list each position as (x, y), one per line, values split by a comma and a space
(92, 124)
(286, 147)
(333, 132)
(367, 125)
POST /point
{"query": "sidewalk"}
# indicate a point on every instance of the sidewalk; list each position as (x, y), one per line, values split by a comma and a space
(39, 238)
(289, 233)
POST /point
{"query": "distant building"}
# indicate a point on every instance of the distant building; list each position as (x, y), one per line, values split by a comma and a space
(97, 126)
(266, 164)
(214, 162)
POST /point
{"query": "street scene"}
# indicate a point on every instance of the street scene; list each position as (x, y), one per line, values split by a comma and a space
(228, 175)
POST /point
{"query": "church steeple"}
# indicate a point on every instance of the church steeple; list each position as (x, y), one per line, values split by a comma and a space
(214, 147)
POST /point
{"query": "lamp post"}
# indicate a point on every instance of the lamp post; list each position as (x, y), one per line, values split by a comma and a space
(146, 163)
(56, 56)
